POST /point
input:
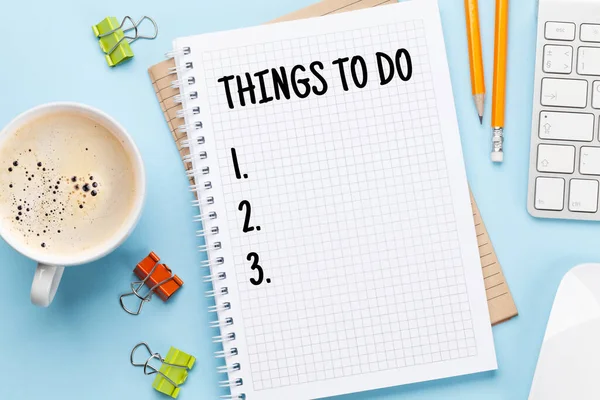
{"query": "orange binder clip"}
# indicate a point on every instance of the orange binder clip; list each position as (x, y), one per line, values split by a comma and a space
(158, 277)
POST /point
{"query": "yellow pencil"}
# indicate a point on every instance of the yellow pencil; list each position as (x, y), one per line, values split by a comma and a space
(475, 56)
(499, 89)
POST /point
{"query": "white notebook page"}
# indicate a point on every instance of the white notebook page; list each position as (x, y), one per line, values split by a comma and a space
(371, 275)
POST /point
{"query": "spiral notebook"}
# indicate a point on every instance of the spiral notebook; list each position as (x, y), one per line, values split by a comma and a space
(500, 302)
(334, 203)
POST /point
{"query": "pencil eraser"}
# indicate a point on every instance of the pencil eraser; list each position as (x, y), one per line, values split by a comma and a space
(497, 156)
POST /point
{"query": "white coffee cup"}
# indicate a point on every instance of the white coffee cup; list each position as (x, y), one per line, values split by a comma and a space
(51, 267)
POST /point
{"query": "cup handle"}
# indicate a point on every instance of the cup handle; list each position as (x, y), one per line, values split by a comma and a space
(45, 283)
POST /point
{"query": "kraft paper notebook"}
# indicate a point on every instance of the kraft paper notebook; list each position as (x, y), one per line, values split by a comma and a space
(334, 203)
(500, 302)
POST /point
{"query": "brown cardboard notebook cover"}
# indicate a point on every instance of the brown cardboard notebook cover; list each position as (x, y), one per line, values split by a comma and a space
(500, 301)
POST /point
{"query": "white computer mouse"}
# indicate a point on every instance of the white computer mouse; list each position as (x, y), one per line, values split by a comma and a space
(569, 364)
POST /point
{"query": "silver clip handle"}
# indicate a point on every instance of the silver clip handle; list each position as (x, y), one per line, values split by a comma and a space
(137, 286)
(150, 369)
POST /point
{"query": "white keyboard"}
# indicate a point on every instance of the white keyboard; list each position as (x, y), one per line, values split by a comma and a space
(564, 168)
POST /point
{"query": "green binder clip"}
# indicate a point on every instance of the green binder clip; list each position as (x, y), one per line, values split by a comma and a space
(173, 370)
(113, 39)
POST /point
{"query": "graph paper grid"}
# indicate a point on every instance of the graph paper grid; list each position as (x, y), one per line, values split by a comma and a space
(357, 231)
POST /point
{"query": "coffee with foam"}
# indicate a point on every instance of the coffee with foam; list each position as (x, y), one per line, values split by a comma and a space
(67, 184)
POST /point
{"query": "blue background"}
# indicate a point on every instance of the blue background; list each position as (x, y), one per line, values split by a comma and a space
(79, 347)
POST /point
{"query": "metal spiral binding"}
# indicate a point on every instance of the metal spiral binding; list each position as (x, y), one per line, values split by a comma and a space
(223, 307)
(203, 187)
(178, 52)
(212, 263)
(226, 353)
(204, 232)
(201, 155)
(185, 144)
(214, 293)
(187, 112)
(184, 67)
(221, 324)
(206, 247)
(178, 83)
(223, 369)
(208, 200)
(185, 128)
(201, 171)
(178, 98)
(224, 338)
(219, 276)
(205, 216)
(235, 382)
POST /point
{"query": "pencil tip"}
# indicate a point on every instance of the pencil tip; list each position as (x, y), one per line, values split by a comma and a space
(481, 119)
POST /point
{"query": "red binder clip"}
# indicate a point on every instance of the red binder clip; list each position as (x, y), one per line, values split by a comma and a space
(158, 277)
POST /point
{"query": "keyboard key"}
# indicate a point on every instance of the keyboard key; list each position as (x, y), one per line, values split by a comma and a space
(588, 61)
(583, 195)
(589, 160)
(556, 158)
(560, 31)
(564, 92)
(566, 126)
(549, 193)
(558, 59)
(590, 33)
(596, 94)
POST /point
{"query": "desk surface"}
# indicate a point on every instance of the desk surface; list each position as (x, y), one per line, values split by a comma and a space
(79, 348)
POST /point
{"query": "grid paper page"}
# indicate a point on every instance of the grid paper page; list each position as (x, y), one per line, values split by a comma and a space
(500, 302)
(366, 240)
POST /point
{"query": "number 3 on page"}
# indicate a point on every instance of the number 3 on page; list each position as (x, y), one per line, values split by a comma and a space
(254, 258)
